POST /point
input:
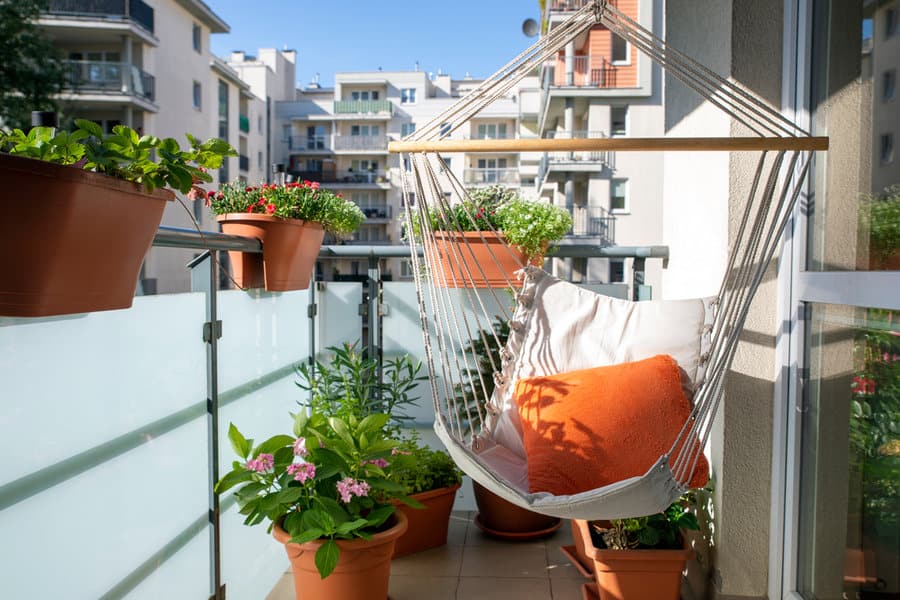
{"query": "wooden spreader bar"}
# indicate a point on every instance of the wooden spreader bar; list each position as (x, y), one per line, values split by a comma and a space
(658, 144)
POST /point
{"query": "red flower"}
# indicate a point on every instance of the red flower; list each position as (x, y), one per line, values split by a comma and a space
(270, 208)
(314, 185)
(262, 201)
(249, 189)
(210, 194)
(250, 209)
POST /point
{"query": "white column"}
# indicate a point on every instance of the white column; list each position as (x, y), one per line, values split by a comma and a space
(570, 63)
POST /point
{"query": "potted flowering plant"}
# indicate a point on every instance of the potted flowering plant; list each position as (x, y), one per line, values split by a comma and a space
(81, 209)
(431, 478)
(290, 220)
(636, 558)
(326, 492)
(492, 233)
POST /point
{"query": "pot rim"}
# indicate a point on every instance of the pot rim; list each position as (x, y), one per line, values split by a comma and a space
(382, 537)
(238, 217)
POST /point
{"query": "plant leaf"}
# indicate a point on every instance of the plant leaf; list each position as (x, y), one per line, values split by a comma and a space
(327, 558)
(238, 442)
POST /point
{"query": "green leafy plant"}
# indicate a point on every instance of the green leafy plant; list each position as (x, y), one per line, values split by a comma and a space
(661, 531)
(124, 154)
(348, 385)
(419, 468)
(305, 200)
(530, 225)
(469, 400)
(880, 214)
(330, 480)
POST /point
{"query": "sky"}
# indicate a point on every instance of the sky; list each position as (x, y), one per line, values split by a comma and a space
(474, 36)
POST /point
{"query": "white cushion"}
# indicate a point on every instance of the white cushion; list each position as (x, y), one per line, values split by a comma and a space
(561, 327)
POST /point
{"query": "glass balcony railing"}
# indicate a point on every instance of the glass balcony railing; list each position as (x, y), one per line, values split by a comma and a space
(486, 176)
(109, 77)
(361, 142)
(243, 162)
(363, 107)
(114, 424)
(135, 10)
(309, 143)
(244, 123)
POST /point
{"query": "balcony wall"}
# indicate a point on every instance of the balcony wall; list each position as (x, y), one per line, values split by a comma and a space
(109, 77)
(362, 107)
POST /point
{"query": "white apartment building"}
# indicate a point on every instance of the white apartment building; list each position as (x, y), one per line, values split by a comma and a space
(120, 58)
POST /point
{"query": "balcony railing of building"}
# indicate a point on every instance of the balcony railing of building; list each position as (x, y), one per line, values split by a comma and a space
(593, 221)
(244, 162)
(143, 397)
(244, 123)
(597, 73)
(382, 211)
(360, 142)
(309, 143)
(349, 177)
(605, 157)
(508, 176)
(363, 107)
(109, 77)
(134, 10)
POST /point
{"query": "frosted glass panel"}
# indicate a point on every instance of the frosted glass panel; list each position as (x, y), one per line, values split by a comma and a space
(105, 416)
(339, 320)
(264, 337)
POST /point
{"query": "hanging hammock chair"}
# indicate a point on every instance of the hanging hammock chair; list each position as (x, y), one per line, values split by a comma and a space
(584, 381)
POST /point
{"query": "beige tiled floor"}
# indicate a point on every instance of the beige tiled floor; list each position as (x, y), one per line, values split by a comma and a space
(473, 566)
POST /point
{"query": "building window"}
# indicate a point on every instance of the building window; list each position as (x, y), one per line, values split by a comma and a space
(198, 95)
(890, 22)
(887, 148)
(617, 271)
(198, 40)
(619, 50)
(445, 129)
(366, 130)
(491, 131)
(407, 165)
(259, 159)
(286, 134)
(223, 110)
(407, 129)
(889, 85)
(618, 120)
(408, 96)
(362, 95)
(259, 123)
(618, 195)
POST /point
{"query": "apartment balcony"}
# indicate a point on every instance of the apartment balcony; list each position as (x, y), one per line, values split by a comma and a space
(378, 214)
(586, 71)
(361, 143)
(309, 144)
(104, 82)
(593, 222)
(99, 20)
(348, 179)
(568, 5)
(243, 162)
(360, 109)
(477, 177)
(244, 123)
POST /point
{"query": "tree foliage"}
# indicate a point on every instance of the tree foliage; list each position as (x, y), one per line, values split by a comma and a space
(31, 72)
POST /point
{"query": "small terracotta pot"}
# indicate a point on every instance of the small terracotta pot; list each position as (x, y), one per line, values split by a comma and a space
(465, 260)
(71, 241)
(635, 574)
(502, 519)
(427, 526)
(290, 250)
(363, 571)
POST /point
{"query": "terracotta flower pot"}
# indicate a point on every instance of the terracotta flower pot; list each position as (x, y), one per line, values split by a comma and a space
(502, 519)
(290, 250)
(465, 259)
(427, 526)
(363, 570)
(71, 241)
(635, 574)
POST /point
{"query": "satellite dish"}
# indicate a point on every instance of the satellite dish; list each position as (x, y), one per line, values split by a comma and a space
(530, 27)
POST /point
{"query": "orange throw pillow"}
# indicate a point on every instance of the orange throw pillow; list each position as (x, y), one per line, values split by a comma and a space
(586, 429)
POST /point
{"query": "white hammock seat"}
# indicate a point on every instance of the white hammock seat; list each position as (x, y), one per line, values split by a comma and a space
(557, 327)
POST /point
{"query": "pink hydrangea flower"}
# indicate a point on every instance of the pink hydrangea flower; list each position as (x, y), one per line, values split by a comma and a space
(262, 463)
(349, 487)
(300, 447)
(302, 472)
(378, 462)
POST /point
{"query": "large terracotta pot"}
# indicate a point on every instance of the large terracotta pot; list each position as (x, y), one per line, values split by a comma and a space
(427, 526)
(290, 250)
(635, 574)
(502, 519)
(363, 571)
(71, 241)
(466, 260)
